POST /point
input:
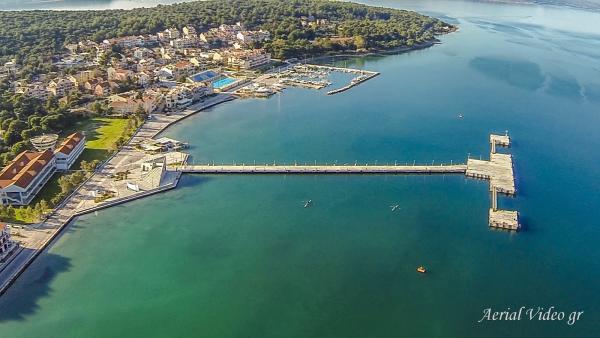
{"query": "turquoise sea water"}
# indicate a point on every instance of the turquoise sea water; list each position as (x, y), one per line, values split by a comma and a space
(233, 256)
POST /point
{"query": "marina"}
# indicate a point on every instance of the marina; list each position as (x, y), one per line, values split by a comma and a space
(308, 76)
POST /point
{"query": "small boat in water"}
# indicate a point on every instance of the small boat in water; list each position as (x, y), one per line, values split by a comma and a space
(307, 203)
(460, 116)
(421, 269)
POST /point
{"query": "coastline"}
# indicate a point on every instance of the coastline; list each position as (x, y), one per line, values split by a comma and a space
(25, 256)
(62, 217)
(382, 52)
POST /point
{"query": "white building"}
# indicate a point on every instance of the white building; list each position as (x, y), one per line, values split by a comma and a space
(7, 245)
(247, 59)
(67, 153)
(62, 86)
(178, 98)
(189, 31)
(24, 176)
(253, 36)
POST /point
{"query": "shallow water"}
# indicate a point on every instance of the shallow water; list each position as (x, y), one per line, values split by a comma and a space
(234, 256)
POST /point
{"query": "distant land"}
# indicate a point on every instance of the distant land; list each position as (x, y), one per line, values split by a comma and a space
(593, 5)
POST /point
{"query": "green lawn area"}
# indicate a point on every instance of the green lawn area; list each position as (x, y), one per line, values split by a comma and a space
(101, 133)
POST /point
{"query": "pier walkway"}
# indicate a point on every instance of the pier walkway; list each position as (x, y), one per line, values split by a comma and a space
(324, 169)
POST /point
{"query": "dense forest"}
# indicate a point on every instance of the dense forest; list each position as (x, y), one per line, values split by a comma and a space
(32, 37)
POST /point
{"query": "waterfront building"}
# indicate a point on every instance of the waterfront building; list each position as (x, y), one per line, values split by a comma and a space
(178, 98)
(24, 176)
(7, 245)
(247, 59)
(69, 150)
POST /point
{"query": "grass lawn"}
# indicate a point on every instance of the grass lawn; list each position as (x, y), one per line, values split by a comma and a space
(101, 133)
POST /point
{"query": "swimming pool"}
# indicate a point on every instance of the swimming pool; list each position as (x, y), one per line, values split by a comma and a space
(224, 82)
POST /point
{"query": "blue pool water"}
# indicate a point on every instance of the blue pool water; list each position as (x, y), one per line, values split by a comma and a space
(224, 82)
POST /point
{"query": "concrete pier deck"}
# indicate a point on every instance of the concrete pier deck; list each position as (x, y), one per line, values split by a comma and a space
(498, 170)
(504, 219)
(324, 169)
(499, 140)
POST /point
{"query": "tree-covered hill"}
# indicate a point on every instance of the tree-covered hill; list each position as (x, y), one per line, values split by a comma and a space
(33, 36)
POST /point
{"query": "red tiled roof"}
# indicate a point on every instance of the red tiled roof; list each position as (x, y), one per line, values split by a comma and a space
(67, 146)
(24, 168)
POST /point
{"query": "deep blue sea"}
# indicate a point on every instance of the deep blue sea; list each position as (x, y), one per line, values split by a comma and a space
(238, 256)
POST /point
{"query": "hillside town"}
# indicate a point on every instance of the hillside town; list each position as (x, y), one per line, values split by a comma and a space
(143, 75)
(150, 73)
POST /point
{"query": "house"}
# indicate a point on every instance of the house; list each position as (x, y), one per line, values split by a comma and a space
(199, 91)
(126, 104)
(189, 31)
(34, 90)
(119, 74)
(24, 176)
(253, 36)
(7, 245)
(62, 86)
(185, 42)
(69, 150)
(83, 76)
(181, 69)
(143, 79)
(171, 34)
(142, 53)
(105, 88)
(198, 63)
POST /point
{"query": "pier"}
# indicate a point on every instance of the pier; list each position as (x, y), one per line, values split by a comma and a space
(355, 82)
(324, 169)
(498, 170)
